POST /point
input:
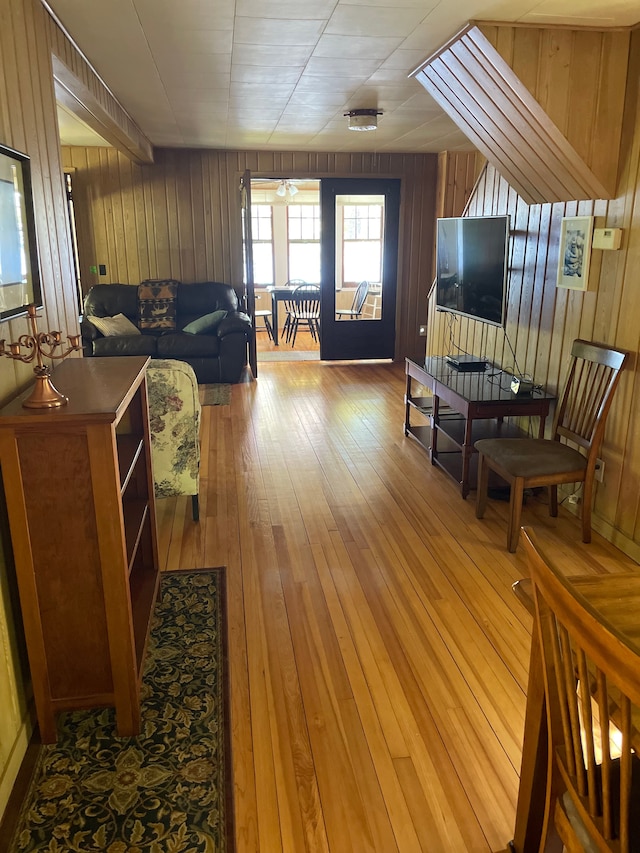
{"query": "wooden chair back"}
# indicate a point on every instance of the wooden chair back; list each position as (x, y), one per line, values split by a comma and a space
(306, 301)
(592, 686)
(588, 394)
(360, 297)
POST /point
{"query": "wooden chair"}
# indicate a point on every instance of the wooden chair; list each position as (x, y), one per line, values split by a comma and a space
(305, 303)
(580, 419)
(293, 283)
(266, 314)
(592, 692)
(357, 305)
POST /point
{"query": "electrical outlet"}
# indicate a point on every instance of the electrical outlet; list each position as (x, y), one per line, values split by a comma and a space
(599, 475)
(422, 331)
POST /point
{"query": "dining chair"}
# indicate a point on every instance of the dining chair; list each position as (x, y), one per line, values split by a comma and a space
(305, 303)
(292, 283)
(527, 463)
(592, 694)
(359, 298)
(266, 314)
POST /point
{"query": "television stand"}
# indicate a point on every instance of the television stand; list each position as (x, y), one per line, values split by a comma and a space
(470, 363)
(477, 408)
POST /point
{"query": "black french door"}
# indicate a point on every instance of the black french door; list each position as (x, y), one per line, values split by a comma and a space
(359, 243)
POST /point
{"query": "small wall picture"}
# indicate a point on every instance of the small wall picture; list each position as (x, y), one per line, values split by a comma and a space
(575, 252)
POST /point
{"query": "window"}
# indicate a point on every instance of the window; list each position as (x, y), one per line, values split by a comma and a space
(362, 234)
(262, 236)
(303, 231)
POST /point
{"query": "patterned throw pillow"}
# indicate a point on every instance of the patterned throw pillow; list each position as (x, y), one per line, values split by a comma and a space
(157, 304)
(115, 326)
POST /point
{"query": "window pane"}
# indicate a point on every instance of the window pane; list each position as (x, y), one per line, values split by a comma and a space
(263, 263)
(261, 227)
(362, 260)
(304, 262)
(303, 224)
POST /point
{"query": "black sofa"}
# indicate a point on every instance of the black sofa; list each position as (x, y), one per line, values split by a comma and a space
(216, 356)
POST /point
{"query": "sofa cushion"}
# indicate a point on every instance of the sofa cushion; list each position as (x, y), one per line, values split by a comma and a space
(206, 324)
(157, 304)
(194, 300)
(118, 325)
(126, 345)
(178, 345)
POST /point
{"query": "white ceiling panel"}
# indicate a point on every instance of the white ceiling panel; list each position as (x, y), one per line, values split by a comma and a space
(280, 73)
(374, 21)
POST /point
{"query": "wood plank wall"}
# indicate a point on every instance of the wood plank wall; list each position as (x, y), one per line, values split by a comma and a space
(578, 78)
(180, 217)
(28, 123)
(542, 321)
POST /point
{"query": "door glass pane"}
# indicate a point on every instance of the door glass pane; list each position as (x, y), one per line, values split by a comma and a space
(359, 256)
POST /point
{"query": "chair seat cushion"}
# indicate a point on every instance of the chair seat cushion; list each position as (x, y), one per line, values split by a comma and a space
(531, 457)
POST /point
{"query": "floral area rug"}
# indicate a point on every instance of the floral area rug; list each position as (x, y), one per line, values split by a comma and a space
(215, 395)
(167, 789)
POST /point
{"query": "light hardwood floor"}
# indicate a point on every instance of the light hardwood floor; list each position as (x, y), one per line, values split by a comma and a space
(378, 658)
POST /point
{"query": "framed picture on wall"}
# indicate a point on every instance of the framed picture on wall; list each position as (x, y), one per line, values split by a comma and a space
(574, 257)
(19, 271)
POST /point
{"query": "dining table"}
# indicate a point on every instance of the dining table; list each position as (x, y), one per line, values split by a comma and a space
(616, 598)
(278, 294)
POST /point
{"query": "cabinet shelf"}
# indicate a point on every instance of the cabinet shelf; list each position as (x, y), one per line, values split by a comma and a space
(129, 449)
(454, 429)
(88, 578)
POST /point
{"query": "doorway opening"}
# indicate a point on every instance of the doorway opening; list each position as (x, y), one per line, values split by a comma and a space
(323, 267)
(285, 233)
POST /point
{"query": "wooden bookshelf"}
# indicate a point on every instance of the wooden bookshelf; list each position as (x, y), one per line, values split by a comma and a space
(79, 493)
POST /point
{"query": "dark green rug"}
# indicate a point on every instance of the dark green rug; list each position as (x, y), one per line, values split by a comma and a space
(216, 395)
(167, 789)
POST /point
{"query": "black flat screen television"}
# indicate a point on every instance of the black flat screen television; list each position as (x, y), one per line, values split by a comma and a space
(471, 268)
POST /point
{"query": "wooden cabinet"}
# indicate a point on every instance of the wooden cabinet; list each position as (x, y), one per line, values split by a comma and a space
(79, 493)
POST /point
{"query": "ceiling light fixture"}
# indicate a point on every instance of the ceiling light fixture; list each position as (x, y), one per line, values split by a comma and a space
(286, 187)
(363, 119)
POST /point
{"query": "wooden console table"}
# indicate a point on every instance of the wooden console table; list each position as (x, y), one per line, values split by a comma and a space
(79, 494)
(478, 404)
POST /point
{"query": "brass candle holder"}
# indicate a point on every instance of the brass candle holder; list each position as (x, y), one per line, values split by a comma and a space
(36, 345)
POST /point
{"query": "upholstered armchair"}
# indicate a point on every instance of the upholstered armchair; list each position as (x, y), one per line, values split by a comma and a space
(174, 416)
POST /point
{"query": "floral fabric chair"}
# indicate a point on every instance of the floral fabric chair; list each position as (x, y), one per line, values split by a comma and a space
(174, 416)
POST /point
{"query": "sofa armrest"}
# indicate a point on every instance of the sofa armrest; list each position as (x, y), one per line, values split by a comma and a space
(234, 322)
(88, 330)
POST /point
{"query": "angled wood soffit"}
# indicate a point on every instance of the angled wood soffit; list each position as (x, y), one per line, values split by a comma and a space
(77, 97)
(478, 89)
